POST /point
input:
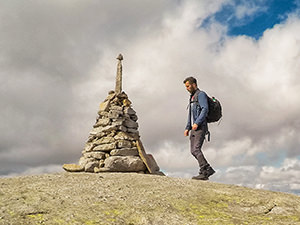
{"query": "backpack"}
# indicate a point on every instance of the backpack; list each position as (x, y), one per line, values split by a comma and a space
(214, 108)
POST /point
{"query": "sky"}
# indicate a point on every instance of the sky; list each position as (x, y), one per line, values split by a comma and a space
(58, 63)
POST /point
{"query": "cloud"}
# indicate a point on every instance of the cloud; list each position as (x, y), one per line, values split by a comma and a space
(58, 63)
(283, 178)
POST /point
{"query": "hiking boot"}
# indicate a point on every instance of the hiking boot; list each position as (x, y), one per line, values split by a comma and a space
(209, 171)
(201, 176)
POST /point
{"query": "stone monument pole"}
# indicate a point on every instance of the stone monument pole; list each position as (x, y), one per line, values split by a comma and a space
(118, 89)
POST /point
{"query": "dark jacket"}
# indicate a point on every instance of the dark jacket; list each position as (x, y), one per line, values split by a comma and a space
(197, 110)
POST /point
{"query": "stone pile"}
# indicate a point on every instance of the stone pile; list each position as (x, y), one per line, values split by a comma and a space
(114, 142)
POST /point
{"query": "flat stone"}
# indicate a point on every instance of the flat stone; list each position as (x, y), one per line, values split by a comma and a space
(123, 128)
(104, 140)
(89, 167)
(83, 161)
(124, 164)
(125, 152)
(104, 105)
(122, 95)
(102, 169)
(95, 155)
(116, 107)
(103, 114)
(152, 163)
(114, 114)
(129, 111)
(118, 122)
(124, 144)
(110, 96)
(123, 136)
(133, 131)
(134, 117)
(102, 122)
(105, 129)
(105, 147)
(131, 124)
(73, 168)
(88, 147)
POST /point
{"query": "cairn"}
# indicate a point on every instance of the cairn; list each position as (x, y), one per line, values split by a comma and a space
(114, 143)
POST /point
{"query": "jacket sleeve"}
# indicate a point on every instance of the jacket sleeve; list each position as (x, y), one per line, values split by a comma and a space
(188, 125)
(202, 99)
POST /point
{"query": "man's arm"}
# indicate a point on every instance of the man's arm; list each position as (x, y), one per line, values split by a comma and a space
(202, 99)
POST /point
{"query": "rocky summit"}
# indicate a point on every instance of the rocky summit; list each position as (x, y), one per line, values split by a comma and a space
(139, 199)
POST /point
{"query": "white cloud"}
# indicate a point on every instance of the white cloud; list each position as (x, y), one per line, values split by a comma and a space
(62, 68)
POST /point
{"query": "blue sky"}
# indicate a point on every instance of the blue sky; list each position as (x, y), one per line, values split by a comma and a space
(266, 14)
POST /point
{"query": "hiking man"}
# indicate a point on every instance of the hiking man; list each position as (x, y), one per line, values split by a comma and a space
(197, 126)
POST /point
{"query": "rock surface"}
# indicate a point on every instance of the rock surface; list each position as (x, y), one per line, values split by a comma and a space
(132, 198)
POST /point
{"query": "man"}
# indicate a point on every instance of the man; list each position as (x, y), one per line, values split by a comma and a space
(197, 126)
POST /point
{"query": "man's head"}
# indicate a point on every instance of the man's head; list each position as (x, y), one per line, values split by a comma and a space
(190, 84)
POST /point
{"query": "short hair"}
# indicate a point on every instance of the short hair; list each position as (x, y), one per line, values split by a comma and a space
(191, 80)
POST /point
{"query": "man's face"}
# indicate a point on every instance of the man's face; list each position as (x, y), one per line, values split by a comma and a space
(190, 87)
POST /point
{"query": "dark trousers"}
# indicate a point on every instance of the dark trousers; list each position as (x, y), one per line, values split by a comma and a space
(197, 138)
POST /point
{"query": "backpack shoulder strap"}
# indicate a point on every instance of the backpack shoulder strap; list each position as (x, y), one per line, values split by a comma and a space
(194, 98)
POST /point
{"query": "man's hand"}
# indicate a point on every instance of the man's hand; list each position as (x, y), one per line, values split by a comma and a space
(186, 133)
(195, 126)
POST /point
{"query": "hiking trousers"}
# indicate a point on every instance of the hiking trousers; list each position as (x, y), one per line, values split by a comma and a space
(197, 138)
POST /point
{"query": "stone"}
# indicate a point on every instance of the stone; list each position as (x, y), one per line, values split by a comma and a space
(123, 136)
(133, 131)
(124, 144)
(118, 87)
(101, 169)
(100, 135)
(122, 95)
(102, 122)
(104, 105)
(115, 114)
(91, 138)
(126, 102)
(123, 128)
(95, 155)
(152, 163)
(125, 164)
(104, 140)
(134, 117)
(118, 122)
(116, 107)
(83, 161)
(125, 152)
(88, 147)
(129, 111)
(131, 124)
(110, 96)
(106, 129)
(110, 128)
(101, 163)
(103, 114)
(89, 167)
(105, 147)
(73, 168)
